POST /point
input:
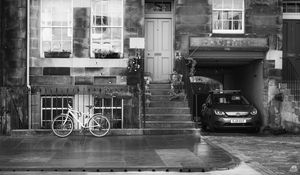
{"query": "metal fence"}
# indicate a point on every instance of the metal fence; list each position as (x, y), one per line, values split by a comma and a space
(294, 87)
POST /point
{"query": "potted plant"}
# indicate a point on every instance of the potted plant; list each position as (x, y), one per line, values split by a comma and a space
(133, 71)
(57, 54)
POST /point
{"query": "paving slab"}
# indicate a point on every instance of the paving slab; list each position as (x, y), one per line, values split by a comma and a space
(179, 153)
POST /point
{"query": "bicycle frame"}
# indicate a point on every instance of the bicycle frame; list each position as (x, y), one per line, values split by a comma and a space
(73, 113)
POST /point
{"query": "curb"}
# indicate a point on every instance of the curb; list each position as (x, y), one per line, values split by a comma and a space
(112, 132)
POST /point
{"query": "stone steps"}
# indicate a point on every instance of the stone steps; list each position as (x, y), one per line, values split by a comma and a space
(170, 124)
(165, 98)
(160, 91)
(167, 110)
(168, 104)
(167, 116)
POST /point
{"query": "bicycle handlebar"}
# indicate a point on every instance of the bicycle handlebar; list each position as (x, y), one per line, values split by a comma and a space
(69, 106)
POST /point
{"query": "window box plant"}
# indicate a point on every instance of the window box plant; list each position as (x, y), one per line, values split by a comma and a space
(106, 54)
(57, 54)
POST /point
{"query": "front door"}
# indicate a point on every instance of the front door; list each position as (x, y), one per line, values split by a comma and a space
(158, 51)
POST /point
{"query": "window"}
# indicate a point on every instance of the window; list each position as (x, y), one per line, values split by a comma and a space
(230, 99)
(156, 7)
(291, 6)
(56, 26)
(53, 106)
(228, 16)
(107, 27)
(111, 108)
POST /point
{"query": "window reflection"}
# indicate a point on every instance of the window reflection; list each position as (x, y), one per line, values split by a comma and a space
(157, 7)
(107, 27)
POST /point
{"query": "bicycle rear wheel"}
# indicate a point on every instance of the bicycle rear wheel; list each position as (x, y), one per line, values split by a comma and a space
(62, 125)
(99, 125)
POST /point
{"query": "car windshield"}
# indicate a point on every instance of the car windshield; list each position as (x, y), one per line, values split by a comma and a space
(230, 99)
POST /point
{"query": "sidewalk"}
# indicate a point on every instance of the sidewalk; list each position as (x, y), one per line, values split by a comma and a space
(176, 153)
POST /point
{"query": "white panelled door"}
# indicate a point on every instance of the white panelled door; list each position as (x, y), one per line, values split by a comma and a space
(158, 51)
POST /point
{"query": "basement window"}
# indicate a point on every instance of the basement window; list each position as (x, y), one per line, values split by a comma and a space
(228, 16)
(112, 108)
(53, 106)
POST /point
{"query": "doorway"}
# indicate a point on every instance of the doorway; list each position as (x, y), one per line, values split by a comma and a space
(159, 42)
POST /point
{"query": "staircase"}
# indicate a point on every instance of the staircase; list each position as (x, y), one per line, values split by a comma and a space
(165, 116)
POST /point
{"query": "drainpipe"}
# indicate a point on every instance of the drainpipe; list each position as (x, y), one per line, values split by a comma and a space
(27, 69)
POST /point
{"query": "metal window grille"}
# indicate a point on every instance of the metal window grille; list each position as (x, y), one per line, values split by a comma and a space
(111, 108)
(51, 106)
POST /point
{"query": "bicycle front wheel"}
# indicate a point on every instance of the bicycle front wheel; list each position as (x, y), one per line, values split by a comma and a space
(99, 125)
(62, 125)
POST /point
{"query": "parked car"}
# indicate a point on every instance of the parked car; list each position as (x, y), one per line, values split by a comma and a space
(228, 109)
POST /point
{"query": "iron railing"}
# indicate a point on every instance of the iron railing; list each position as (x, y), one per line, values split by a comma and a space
(294, 87)
(291, 78)
(184, 68)
(289, 72)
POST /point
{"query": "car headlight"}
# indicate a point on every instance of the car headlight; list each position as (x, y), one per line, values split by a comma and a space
(253, 111)
(218, 112)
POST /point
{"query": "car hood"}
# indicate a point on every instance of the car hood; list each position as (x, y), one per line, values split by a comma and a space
(234, 108)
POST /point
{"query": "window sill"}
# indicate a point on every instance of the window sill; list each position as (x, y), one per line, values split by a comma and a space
(227, 32)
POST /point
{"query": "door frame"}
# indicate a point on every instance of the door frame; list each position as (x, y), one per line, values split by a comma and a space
(160, 15)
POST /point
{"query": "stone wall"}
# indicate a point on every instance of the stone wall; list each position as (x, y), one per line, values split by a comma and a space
(289, 111)
(13, 31)
(14, 23)
(262, 19)
(80, 70)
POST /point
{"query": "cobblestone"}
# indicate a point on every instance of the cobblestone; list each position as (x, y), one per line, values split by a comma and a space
(268, 154)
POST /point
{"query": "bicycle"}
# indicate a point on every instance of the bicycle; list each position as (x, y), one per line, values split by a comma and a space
(63, 124)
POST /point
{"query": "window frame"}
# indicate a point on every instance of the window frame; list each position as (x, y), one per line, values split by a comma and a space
(51, 108)
(42, 27)
(71, 27)
(112, 107)
(229, 31)
(288, 14)
(92, 55)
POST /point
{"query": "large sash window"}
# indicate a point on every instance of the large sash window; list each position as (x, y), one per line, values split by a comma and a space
(228, 16)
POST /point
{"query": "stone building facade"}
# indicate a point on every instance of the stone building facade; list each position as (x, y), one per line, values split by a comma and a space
(237, 42)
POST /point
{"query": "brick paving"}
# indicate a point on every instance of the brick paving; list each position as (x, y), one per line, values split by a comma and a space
(268, 154)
